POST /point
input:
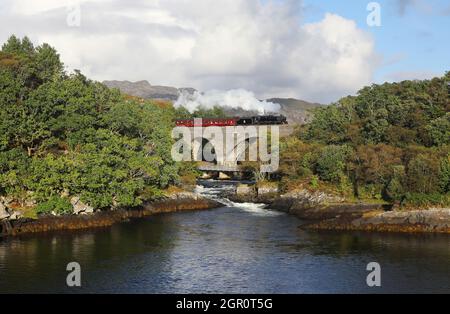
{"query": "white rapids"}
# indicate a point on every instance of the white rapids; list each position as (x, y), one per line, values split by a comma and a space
(216, 194)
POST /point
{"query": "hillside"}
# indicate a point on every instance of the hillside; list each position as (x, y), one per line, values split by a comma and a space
(390, 142)
(145, 90)
(297, 111)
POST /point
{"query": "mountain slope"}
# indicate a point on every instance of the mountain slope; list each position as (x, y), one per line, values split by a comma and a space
(297, 111)
(145, 90)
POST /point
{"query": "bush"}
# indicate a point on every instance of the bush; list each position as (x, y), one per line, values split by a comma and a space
(56, 204)
(439, 130)
(370, 191)
(395, 188)
(424, 200)
(331, 163)
(422, 174)
(314, 182)
(444, 175)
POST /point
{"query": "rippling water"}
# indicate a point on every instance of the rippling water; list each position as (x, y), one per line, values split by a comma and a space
(235, 249)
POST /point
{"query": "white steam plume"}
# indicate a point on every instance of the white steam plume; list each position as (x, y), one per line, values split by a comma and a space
(234, 99)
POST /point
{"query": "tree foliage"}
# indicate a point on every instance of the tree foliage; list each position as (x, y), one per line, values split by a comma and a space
(390, 141)
(63, 135)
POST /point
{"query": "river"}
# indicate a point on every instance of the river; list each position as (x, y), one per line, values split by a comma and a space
(240, 248)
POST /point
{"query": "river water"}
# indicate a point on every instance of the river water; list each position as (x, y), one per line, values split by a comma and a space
(240, 248)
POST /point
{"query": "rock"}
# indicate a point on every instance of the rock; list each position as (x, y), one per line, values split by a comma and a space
(432, 220)
(185, 195)
(357, 223)
(6, 200)
(206, 176)
(223, 176)
(74, 200)
(264, 190)
(30, 203)
(79, 207)
(3, 212)
(65, 193)
(115, 204)
(313, 198)
(16, 215)
(244, 189)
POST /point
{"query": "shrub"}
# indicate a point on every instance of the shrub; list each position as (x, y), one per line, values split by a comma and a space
(331, 163)
(444, 175)
(439, 130)
(424, 200)
(395, 188)
(314, 182)
(423, 174)
(370, 191)
(56, 204)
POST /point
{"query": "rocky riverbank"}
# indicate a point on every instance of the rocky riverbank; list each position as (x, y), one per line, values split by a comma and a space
(321, 211)
(175, 203)
(406, 221)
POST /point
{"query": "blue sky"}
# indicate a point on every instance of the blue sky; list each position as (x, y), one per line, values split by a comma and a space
(413, 39)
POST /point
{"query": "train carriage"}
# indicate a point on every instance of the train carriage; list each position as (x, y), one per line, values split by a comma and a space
(224, 122)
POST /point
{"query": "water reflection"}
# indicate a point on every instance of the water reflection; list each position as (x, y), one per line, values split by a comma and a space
(228, 250)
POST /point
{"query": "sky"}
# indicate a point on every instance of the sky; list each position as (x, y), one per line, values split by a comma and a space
(316, 50)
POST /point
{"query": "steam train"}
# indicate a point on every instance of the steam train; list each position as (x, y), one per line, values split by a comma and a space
(256, 120)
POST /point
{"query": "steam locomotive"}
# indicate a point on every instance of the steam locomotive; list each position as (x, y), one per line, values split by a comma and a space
(255, 120)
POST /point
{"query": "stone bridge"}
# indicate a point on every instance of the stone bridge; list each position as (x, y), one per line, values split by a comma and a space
(223, 149)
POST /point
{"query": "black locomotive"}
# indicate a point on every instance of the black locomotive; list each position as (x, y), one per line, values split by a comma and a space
(262, 120)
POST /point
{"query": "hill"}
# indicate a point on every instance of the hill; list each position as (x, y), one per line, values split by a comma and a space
(297, 111)
(145, 90)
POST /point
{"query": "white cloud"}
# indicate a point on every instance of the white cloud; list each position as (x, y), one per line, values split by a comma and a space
(222, 44)
(237, 98)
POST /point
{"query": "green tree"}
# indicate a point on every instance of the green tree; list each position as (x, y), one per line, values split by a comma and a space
(423, 174)
(444, 174)
(331, 164)
(439, 130)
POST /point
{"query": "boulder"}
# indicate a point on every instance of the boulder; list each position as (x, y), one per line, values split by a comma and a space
(436, 220)
(183, 195)
(312, 198)
(264, 190)
(6, 200)
(3, 212)
(16, 215)
(30, 203)
(79, 207)
(244, 189)
(223, 176)
(206, 176)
